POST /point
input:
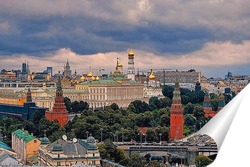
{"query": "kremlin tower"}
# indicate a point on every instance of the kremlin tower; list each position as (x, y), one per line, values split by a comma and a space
(176, 116)
(208, 106)
(221, 102)
(59, 111)
(131, 68)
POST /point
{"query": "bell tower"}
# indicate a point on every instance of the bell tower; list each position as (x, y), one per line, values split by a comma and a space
(131, 67)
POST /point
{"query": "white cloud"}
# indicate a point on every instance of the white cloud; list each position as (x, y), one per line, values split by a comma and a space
(212, 55)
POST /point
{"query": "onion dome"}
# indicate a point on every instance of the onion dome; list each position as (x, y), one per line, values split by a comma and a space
(57, 147)
(93, 78)
(45, 141)
(64, 80)
(97, 78)
(82, 78)
(90, 74)
(151, 76)
(90, 139)
(117, 71)
(131, 53)
(119, 64)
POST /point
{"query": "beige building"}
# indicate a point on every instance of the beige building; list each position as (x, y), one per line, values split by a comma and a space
(68, 153)
(115, 89)
(25, 145)
(190, 76)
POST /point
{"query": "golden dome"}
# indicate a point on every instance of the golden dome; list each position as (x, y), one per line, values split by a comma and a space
(117, 71)
(64, 80)
(93, 78)
(82, 78)
(89, 74)
(131, 53)
(97, 78)
(151, 76)
(119, 64)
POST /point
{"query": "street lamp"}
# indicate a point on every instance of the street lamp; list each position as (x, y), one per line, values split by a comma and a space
(117, 136)
(122, 135)
(87, 132)
(101, 134)
(160, 137)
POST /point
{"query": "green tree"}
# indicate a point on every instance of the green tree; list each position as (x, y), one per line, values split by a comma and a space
(67, 102)
(189, 109)
(138, 106)
(199, 112)
(114, 106)
(135, 160)
(167, 91)
(202, 161)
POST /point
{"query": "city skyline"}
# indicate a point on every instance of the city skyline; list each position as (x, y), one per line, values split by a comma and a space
(211, 36)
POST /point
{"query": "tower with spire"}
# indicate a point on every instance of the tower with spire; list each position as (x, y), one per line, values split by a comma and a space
(207, 105)
(59, 111)
(176, 115)
(131, 68)
(67, 71)
(221, 102)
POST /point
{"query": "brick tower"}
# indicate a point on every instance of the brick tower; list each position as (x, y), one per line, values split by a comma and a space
(59, 111)
(221, 102)
(176, 115)
(208, 106)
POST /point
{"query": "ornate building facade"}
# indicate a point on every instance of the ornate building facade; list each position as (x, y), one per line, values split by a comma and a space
(115, 89)
(59, 111)
(69, 153)
(176, 115)
(152, 88)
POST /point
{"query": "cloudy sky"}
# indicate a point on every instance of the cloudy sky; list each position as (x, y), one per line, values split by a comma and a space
(212, 36)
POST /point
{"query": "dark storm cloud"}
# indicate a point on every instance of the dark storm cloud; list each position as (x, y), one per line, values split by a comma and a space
(89, 27)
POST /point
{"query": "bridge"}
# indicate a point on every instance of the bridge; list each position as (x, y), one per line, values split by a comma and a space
(187, 151)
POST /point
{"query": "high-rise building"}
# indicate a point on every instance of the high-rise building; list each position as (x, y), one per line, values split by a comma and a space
(59, 111)
(67, 71)
(50, 71)
(131, 68)
(24, 68)
(176, 115)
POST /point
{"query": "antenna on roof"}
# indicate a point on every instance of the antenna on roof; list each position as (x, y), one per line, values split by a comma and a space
(64, 137)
